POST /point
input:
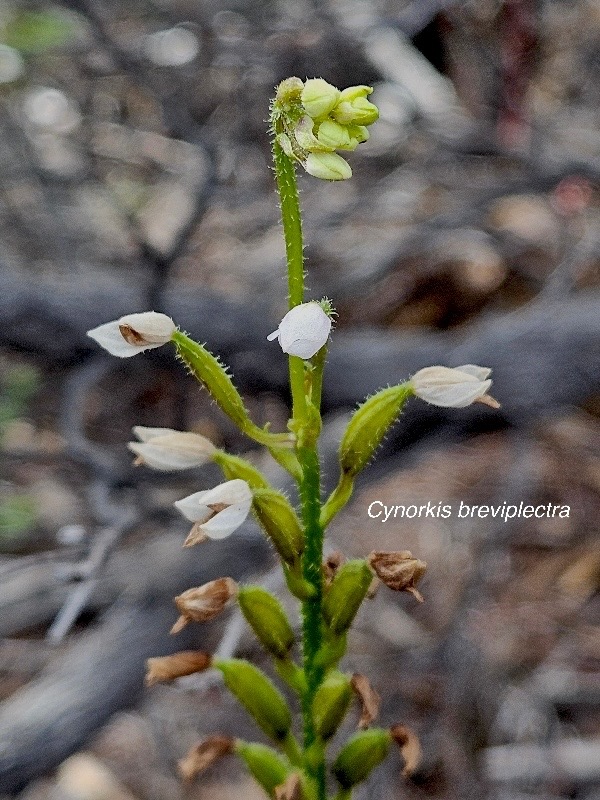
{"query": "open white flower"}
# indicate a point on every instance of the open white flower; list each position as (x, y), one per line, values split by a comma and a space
(454, 388)
(217, 512)
(303, 331)
(134, 333)
(166, 449)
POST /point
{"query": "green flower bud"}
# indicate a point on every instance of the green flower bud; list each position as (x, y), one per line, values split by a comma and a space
(361, 754)
(258, 695)
(333, 135)
(359, 132)
(353, 108)
(265, 765)
(319, 97)
(289, 91)
(328, 167)
(267, 619)
(346, 593)
(280, 523)
(368, 425)
(331, 703)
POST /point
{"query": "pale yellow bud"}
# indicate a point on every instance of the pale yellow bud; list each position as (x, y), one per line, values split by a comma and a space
(328, 167)
(319, 97)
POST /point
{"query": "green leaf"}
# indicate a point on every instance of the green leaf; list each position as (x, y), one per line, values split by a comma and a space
(37, 31)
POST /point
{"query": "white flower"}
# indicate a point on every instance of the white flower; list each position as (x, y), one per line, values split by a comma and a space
(303, 331)
(456, 388)
(165, 449)
(134, 333)
(217, 512)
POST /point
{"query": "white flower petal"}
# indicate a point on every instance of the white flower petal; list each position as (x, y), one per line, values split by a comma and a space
(146, 434)
(481, 373)
(454, 396)
(230, 492)
(155, 328)
(304, 330)
(304, 348)
(110, 338)
(192, 509)
(226, 522)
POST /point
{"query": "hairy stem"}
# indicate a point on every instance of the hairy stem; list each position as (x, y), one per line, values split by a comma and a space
(312, 609)
(310, 482)
(289, 200)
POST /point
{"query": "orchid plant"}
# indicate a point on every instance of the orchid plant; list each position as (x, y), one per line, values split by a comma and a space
(310, 122)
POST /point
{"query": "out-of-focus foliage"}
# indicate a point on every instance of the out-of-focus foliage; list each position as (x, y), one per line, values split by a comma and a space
(16, 390)
(36, 31)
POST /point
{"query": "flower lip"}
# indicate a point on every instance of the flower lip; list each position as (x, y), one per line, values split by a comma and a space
(303, 331)
(134, 333)
(454, 387)
(218, 512)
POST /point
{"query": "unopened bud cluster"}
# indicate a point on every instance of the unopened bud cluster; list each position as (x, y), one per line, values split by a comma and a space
(318, 119)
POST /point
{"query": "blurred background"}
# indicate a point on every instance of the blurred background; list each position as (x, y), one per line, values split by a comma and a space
(135, 175)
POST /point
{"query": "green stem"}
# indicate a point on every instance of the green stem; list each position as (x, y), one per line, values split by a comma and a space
(312, 609)
(287, 187)
(310, 482)
(317, 376)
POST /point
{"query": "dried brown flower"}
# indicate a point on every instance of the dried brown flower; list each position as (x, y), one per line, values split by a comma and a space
(204, 602)
(368, 697)
(195, 536)
(167, 668)
(203, 755)
(331, 565)
(399, 571)
(408, 742)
